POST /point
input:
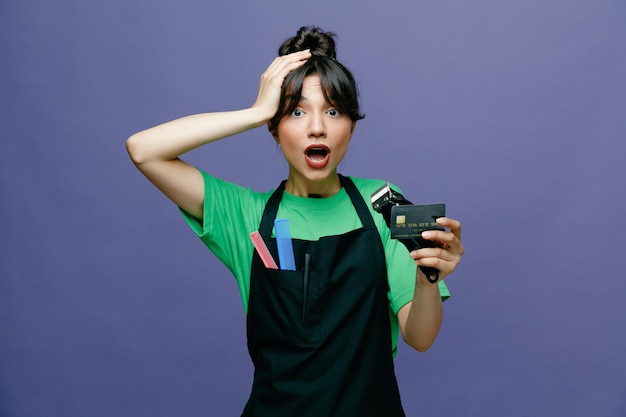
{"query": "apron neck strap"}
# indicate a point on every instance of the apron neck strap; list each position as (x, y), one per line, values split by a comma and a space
(357, 201)
(271, 208)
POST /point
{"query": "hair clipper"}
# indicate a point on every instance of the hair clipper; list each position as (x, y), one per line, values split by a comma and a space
(407, 221)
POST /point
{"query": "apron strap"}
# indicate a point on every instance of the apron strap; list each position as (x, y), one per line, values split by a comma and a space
(269, 213)
(357, 201)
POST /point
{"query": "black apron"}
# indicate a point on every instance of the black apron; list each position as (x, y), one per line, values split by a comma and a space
(319, 337)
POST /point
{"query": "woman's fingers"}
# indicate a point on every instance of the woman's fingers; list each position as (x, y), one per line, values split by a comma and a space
(274, 76)
(448, 251)
(452, 224)
(283, 65)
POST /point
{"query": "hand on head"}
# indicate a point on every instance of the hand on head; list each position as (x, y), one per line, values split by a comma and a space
(272, 80)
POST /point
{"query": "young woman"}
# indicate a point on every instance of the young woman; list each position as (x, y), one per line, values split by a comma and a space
(322, 337)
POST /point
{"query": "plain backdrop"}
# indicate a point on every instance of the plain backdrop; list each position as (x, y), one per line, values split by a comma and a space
(511, 112)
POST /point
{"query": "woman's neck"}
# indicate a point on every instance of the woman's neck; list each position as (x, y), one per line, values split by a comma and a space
(301, 187)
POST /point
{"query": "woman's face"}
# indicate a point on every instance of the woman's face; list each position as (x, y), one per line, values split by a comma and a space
(314, 139)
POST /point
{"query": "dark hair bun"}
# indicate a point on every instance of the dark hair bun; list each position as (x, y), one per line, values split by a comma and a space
(319, 42)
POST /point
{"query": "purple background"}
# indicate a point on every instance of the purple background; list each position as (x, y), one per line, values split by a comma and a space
(512, 112)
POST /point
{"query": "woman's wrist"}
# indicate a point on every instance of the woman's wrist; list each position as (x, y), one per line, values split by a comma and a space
(422, 282)
(259, 116)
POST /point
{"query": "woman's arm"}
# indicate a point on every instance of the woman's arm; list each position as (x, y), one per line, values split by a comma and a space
(156, 151)
(420, 319)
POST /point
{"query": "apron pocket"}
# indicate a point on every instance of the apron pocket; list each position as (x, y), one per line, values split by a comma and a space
(291, 314)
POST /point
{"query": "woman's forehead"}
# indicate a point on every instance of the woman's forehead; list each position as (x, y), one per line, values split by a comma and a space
(311, 83)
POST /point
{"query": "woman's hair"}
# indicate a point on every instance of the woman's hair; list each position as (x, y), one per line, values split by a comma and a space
(338, 84)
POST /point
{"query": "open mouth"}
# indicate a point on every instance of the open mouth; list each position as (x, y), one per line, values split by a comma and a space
(317, 156)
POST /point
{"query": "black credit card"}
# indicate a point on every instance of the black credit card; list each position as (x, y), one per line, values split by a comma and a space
(409, 221)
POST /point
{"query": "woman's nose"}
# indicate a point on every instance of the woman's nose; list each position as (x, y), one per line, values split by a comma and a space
(317, 127)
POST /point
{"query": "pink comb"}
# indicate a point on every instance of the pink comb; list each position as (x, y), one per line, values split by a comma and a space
(262, 250)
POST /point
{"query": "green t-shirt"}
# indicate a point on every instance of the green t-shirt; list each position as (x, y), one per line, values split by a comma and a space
(232, 212)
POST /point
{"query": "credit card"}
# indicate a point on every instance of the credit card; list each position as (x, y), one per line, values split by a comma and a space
(409, 221)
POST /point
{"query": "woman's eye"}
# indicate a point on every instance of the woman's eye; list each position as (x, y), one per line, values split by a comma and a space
(297, 113)
(333, 112)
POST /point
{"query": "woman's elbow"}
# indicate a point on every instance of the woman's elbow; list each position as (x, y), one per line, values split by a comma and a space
(134, 147)
(423, 348)
(419, 345)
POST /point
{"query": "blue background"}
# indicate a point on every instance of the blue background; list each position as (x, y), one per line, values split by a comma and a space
(511, 112)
